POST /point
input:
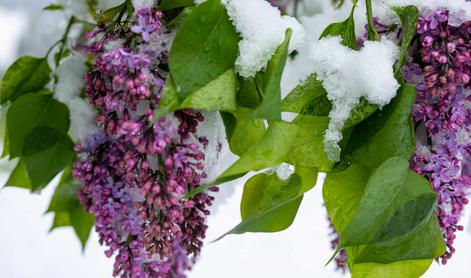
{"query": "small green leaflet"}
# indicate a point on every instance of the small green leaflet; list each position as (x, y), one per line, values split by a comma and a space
(344, 29)
(270, 107)
(200, 55)
(270, 204)
(67, 209)
(242, 131)
(270, 151)
(26, 75)
(53, 7)
(388, 132)
(217, 95)
(409, 16)
(32, 117)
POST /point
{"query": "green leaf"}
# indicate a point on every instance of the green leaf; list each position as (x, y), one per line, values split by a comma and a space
(40, 138)
(409, 16)
(30, 112)
(403, 269)
(68, 210)
(268, 204)
(242, 131)
(305, 93)
(248, 94)
(44, 165)
(387, 133)
(200, 55)
(65, 197)
(344, 29)
(217, 95)
(19, 177)
(308, 177)
(308, 148)
(61, 219)
(82, 222)
(270, 151)
(425, 243)
(3, 130)
(53, 7)
(342, 193)
(27, 74)
(108, 15)
(270, 107)
(173, 4)
(396, 202)
(362, 111)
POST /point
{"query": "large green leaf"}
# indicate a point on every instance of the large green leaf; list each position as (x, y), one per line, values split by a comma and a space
(387, 133)
(344, 29)
(242, 131)
(67, 209)
(32, 117)
(409, 256)
(43, 166)
(425, 243)
(409, 16)
(217, 95)
(308, 149)
(270, 151)
(396, 202)
(25, 75)
(270, 107)
(200, 55)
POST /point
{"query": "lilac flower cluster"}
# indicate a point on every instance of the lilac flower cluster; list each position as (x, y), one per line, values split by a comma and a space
(135, 172)
(443, 111)
(341, 258)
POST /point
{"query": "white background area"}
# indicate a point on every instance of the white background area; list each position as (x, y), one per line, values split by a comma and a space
(28, 250)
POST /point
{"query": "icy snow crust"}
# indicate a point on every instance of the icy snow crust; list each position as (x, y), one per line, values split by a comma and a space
(262, 29)
(460, 10)
(348, 75)
(70, 83)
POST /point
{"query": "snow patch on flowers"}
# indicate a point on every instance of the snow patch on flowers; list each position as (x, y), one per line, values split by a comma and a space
(70, 83)
(262, 28)
(139, 4)
(460, 10)
(348, 75)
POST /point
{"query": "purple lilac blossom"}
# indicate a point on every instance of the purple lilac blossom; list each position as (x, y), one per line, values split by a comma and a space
(135, 172)
(443, 106)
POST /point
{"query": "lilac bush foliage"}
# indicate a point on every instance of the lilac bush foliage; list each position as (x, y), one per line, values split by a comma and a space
(135, 172)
